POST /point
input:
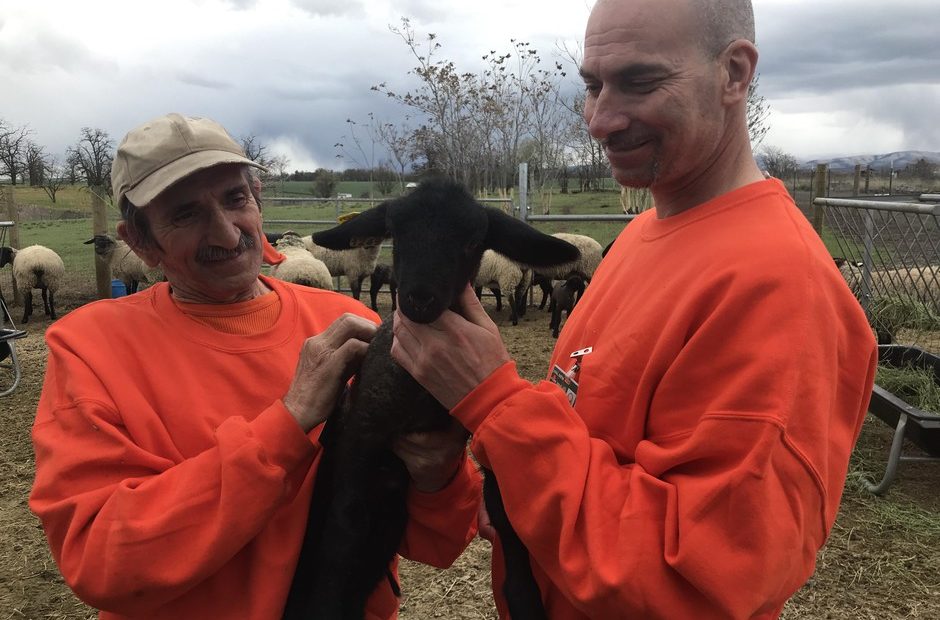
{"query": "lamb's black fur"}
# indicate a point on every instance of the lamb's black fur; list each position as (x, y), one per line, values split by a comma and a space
(563, 297)
(358, 510)
(382, 275)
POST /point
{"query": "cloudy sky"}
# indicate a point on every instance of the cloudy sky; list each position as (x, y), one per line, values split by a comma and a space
(841, 77)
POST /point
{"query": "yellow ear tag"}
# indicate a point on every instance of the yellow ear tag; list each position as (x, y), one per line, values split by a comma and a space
(345, 217)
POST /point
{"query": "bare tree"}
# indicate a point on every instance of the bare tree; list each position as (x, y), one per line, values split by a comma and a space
(255, 150)
(352, 147)
(13, 144)
(92, 155)
(584, 152)
(400, 141)
(35, 164)
(777, 162)
(757, 112)
(922, 169)
(54, 176)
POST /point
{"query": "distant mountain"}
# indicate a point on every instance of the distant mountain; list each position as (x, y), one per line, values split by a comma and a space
(898, 160)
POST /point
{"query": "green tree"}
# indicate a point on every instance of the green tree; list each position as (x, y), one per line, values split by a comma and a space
(324, 183)
(384, 179)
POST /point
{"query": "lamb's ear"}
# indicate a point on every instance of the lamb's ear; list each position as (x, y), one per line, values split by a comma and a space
(367, 228)
(520, 242)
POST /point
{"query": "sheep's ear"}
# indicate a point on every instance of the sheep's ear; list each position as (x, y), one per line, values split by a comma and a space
(92, 240)
(367, 228)
(520, 242)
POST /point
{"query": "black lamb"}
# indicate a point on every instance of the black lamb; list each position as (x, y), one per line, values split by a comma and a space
(358, 510)
(382, 275)
(563, 298)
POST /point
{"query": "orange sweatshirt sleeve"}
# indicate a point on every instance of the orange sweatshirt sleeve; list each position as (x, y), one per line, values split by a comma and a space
(119, 518)
(442, 524)
(720, 518)
(269, 253)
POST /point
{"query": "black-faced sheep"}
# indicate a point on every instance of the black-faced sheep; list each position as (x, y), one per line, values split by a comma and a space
(354, 263)
(358, 511)
(563, 296)
(382, 275)
(125, 264)
(299, 266)
(498, 273)
(39, 267)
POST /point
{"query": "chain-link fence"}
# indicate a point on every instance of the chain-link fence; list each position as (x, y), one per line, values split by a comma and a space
(890, 257)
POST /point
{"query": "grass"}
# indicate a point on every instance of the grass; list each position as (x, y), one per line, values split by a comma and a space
(914, 385)
(895, 313)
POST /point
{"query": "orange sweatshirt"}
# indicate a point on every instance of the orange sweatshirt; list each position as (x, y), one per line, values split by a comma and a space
(171, 481)
(269, 254)
(702, 465)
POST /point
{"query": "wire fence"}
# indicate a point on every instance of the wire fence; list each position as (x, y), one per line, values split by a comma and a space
(890, 257)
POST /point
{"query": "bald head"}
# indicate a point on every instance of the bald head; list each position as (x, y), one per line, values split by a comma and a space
(724, 21)
(716, 22)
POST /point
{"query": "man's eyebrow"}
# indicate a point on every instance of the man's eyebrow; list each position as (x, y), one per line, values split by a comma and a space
(630, 72)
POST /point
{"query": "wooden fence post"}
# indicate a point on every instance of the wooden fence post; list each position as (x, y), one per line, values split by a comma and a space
(100, 227)
(858, 179)
(819, 211)
(7, 197)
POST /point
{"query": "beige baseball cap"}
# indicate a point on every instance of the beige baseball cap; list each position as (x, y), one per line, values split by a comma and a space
(157, 154)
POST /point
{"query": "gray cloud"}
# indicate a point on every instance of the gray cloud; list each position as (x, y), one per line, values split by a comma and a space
(821, 48)
(299, 79)
(187, 77)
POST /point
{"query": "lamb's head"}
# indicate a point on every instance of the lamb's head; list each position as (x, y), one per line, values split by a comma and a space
(104, 244)
(439, 233)
(6, 256)
(289, 239)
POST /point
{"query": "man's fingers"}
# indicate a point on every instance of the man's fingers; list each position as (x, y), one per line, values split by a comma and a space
(471, 308)
(348, 326)
(349, 356)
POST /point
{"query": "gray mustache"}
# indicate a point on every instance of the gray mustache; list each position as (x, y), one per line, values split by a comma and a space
(214, 253)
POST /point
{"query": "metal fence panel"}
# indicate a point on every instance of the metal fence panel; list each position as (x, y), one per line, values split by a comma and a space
(892, 264)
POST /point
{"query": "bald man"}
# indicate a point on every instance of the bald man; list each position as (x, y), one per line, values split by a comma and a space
(685, 456)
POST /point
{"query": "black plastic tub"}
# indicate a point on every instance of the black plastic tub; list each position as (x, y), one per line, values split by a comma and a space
(924, 426)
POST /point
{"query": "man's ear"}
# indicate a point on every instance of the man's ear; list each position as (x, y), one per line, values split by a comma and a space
(739, 61)
(146, 251)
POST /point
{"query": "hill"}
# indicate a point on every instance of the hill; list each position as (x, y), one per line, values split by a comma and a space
(897, 160)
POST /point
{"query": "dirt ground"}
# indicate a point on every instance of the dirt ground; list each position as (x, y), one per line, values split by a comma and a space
(881, 562)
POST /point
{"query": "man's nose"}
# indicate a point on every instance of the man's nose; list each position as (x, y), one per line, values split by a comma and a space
(222, 230)
(605, 114)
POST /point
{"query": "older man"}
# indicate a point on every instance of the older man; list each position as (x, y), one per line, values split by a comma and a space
(714, 376)
(177, 432)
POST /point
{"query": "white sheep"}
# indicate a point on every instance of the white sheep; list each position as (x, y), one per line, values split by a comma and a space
(355, 264)
(590, 258)
(918, 283)
(300, 266)
(498, 272)
(125, 264)
(591, 254)
(39, 267)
